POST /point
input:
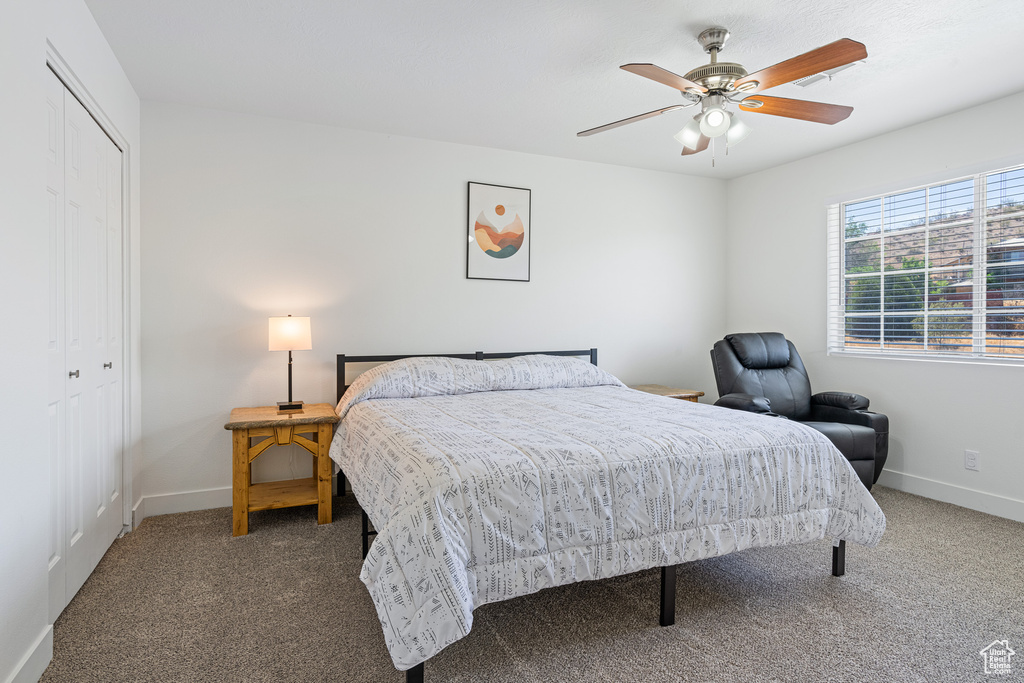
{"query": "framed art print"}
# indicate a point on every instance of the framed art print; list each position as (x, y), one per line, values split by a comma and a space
(499, 233)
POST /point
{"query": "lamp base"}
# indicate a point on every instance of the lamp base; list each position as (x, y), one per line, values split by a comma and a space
(289, 407)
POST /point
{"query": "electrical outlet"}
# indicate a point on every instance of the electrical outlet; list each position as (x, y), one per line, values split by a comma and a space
(971, 460)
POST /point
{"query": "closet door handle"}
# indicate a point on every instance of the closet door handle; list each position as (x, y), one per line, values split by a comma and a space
(73, 373)
(108, 366)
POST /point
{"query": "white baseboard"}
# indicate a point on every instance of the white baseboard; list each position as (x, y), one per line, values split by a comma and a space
(138, 512)
(186, 501)
(1000, 506)
(35, 661)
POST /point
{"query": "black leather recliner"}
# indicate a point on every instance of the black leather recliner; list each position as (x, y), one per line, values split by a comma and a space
(761, 372)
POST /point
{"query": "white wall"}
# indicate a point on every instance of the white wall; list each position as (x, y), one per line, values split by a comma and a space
(776, 276)
(26, 25)
(248, 217)
(24, 634)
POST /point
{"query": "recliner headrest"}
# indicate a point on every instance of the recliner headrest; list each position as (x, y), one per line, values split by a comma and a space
(760, 350)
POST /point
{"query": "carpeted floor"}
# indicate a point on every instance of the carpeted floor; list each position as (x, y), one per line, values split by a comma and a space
(179, 599)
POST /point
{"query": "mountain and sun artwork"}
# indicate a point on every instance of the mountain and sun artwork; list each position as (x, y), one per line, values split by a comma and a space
(499, 226)
(499, 242)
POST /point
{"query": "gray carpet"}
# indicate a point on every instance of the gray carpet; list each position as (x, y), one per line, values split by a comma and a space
(181, 600)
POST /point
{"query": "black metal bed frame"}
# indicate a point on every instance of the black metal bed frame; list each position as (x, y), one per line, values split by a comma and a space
(667, 614)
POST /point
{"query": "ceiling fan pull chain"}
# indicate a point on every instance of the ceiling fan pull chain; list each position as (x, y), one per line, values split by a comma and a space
(712, 152)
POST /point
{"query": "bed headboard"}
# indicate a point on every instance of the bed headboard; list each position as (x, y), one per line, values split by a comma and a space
(344, 360)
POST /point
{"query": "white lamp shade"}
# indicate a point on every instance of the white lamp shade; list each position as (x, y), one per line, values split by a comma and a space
(289, 333)
(714, 122)
(689, 136)
(738, 131)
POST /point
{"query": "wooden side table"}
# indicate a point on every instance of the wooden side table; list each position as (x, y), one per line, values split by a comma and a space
(662, 390)
(246, 424)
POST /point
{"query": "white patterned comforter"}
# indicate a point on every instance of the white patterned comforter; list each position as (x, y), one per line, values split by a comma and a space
(492, 480)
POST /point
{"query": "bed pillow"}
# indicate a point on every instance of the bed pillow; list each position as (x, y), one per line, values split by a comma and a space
(417, 377)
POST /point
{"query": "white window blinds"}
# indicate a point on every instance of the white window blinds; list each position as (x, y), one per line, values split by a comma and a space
(930, 271)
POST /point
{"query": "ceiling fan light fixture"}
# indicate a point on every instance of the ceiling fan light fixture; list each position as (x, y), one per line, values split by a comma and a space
(714, 122)
(689, 136)
(714, 119)
(738, 131)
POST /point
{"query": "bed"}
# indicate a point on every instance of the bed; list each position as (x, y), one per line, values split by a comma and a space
(490, 479)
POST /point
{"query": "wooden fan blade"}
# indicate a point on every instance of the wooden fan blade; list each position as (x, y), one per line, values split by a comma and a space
(827, 57)
(656, 73)
(631, 119)
(804, 110)
(702, 145)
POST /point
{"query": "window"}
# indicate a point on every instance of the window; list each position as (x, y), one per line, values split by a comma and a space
(933, 271)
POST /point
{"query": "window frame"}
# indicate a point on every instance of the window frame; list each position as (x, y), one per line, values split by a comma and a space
(838, 279)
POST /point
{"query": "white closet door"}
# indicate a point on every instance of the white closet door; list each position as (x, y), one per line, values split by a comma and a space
(56, 408)
(86, 312)
(111, 299)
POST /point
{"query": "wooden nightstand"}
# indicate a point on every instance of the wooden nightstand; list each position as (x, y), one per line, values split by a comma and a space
(662, 390)
(246, 424)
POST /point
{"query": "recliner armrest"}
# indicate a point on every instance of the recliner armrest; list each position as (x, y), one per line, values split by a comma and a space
(841, 399)
(876, 421)
(747, 402)
(827, 413)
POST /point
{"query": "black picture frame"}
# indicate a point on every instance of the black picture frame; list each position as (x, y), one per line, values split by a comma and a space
(494, 214)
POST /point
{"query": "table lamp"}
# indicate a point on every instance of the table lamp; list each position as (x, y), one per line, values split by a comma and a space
(289, 334)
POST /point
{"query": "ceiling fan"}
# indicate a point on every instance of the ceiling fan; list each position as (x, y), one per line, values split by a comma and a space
(717, 84)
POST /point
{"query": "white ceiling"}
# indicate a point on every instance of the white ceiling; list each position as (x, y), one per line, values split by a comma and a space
(527, 75)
